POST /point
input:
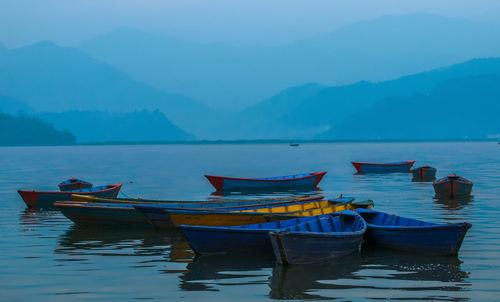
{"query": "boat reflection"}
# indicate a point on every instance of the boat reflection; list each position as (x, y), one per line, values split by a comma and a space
(208, 272)
(38, 217)
(456, 203)
(376, 269)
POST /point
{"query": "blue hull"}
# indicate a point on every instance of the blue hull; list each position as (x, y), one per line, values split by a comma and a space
(383, 168)
(87, 216)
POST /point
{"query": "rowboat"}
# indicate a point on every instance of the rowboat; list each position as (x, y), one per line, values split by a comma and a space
(86, 213)
(452, 186)
(320, 239)
(222, 183)
(424, 173)
(250, 238)
(232, 218)
(74, 184)
(44, 199)
(383, 168)
(411, 235)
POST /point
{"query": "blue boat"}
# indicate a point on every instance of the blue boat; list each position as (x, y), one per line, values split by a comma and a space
(452, 186)
(411, 235)
(318, 240)
(249, 238)
(383, 168)
(74, 184)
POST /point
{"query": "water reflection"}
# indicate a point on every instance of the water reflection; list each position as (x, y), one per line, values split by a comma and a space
(37, 217)
(454, 204)
(208, 272)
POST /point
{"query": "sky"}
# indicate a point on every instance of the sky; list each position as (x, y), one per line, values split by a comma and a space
(236, 22)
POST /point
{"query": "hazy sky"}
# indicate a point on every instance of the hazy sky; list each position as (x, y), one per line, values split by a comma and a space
(240, 22)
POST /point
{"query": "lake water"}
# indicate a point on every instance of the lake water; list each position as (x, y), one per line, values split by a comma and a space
(44, 256)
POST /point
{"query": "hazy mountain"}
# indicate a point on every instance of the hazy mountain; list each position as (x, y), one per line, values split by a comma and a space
(467, 107)
(55, 79)
(236, 77)
(98, 126)
(24, 130)
(13, 106)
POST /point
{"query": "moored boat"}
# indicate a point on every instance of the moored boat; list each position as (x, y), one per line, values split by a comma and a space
(452, 186)
(45, 199)
(412, 235)
(320, 239)
(304, 180)
(383, 168)
(424, 173)
(74, 184)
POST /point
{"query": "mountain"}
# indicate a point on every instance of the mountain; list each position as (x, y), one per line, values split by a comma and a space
(466, 107)
(55, 79)
(99, 126)
(237, 77)
(13, 106)
(27, 131)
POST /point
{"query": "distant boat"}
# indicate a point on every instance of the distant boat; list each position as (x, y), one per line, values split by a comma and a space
(411, 235)
(319, 240)
(452, 186)
(222, 183)
(383, 168)
(424, 173)
(74, 184)
(294, 145)
(45, 199)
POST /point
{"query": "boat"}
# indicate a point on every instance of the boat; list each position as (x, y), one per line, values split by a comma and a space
(294, 145)
(45, 199)
(232, 218)
(85, 213)
(320, 239)
(222, 183)
(452, 186)
(383, 168)
(74, 184)
(412, 235)
(424, 173)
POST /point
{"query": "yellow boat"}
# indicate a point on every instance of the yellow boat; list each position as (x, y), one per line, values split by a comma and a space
(258, 215)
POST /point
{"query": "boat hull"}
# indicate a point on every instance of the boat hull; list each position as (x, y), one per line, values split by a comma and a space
(424, 174)
(39, 199)
(452, 188)
(383, 168)
(246, 184)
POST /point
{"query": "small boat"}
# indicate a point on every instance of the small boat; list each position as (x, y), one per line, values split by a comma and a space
(383, 168)
(452, 186)
(232, 218)
(320, 239)
(251, 238)
(86, 213)
(424, 173)
(294, 145)
(222, 183)
(44, 199)
(74, 184)
(411, 235)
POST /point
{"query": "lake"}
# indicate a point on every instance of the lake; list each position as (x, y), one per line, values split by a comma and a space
(44, 256)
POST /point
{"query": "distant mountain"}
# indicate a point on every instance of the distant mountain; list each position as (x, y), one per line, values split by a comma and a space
(466, 107)
(24, 131)
(55, 79)
(99, 126)
(13, 106)
(237, 77)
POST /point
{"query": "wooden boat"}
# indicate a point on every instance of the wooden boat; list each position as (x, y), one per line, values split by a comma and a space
(320, 239)
(160, 216)
(424, 173)
(74, 184)
(411, 235)
(44, 199)
(383, 168)
(294, 145)
(231, 218)
(452, 186)
(222, 183)
(251, 238)
(123, 214)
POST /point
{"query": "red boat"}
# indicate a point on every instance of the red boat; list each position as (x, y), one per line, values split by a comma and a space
(74, 184)
(46, 199)
(222, 183)
(383, 168)
(452, 186)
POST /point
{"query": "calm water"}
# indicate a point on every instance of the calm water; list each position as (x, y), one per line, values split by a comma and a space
(44, 256)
